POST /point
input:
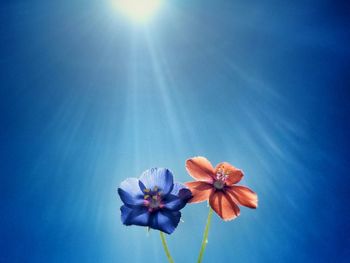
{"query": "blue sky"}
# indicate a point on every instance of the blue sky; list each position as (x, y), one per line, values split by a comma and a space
(89, 98)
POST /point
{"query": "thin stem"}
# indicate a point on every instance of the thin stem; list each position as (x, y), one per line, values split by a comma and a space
(165, 246)
(205, 236)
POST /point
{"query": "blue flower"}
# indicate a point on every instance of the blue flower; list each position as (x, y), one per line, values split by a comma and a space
(154, 200)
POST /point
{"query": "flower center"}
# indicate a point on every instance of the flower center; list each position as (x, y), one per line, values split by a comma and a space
(153, 199)
(219, 184)
(221, 176)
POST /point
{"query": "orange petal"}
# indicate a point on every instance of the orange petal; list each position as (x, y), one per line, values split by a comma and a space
(224, 205)
(200, 191)
(244, 196)
(233, 174)
(200, 169)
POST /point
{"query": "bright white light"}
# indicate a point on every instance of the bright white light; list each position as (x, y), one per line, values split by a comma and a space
(138, 10)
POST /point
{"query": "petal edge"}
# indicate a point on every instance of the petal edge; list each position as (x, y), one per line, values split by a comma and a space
(244, 195)
(224, 206)
(158, 177)
(130, 192)
(165, 220)
(200, 169)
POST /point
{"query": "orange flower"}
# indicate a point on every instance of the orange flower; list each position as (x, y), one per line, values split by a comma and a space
(218, 186)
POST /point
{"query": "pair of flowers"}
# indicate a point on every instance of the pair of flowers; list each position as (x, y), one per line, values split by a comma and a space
(155, 200)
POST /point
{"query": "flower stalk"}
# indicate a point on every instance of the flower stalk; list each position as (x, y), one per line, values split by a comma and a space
(205, 236)
(165, 246)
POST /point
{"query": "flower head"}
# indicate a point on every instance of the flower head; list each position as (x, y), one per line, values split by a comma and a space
(153, 200)
(218, 186)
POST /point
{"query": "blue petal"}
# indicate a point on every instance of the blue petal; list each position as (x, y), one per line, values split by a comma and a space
(135, 216)
(181, 191)
(130, 192)
(177, 198)
(165, 220)
(157, 177)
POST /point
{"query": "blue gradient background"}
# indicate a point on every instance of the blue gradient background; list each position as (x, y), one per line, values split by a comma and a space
(89, 98)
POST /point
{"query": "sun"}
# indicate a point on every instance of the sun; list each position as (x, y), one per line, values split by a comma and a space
(138, 10)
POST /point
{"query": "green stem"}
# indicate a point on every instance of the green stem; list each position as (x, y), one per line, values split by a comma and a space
(205, 236)
(165, 246)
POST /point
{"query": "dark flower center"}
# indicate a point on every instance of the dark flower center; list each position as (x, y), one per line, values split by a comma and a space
(220, 178)
(218, 184)
(153, 199)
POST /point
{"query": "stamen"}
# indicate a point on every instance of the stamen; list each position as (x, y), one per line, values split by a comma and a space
(221, 176)
(153, 200)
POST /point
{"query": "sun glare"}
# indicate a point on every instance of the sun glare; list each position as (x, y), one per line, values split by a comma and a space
(138, 10)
